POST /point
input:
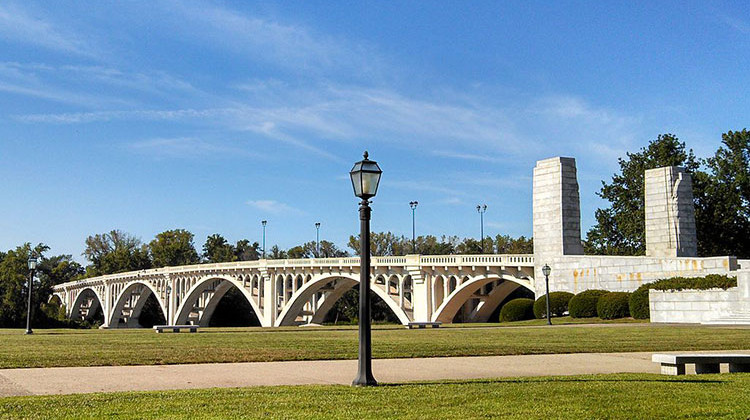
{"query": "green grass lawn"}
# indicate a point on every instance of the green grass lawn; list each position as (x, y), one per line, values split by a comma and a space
(138, 346)
(641, 396)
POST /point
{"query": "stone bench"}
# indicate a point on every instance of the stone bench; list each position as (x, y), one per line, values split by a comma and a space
(175, 328)
(413, 325)
(674, 364)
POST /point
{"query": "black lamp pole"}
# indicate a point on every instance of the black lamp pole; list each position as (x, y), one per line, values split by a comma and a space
(32, 268)
(546, 270)
(481, 209)
(413, 205)
(365, 178)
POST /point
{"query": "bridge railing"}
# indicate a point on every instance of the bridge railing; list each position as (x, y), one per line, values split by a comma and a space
(426, 260)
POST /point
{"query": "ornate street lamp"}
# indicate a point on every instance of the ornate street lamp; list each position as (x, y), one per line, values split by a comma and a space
(32, 268)
(317, 239)
(546, 270)
(264, 222)
(365, 177)
(413, 205)
(481, 209)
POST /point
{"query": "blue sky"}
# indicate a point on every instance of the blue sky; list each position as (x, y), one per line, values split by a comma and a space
(212, 116)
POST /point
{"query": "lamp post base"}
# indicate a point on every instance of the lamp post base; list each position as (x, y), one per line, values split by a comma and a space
(364, 381)
(29, 332)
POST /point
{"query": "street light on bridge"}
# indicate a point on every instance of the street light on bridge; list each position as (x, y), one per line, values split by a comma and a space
(317, 239)
(264, 222)
(413, 205)
(365, 177)
(481, 209)
(32, 268)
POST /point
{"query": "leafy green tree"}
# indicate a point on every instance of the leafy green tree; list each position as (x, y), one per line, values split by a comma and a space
(173, 248)
(245, 251)
(723, 204)
(310, 250)
(217, 249)
(14, 274)
(506, 244)
(115, 252)
(276, 253)
(383, 244)
(620, 229)
(474, 246)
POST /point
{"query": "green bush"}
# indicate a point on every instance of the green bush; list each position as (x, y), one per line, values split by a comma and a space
(517, 310)
(638, 303)
(558, 304)
(613, 305)
(583, 305)
(639, 299)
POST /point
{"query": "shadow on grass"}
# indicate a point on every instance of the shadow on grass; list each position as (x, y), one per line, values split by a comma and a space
(552, 380)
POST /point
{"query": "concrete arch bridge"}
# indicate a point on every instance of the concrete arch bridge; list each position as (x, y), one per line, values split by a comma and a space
(299, 291)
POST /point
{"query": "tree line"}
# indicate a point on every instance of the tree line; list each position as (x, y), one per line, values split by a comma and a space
(721, 190)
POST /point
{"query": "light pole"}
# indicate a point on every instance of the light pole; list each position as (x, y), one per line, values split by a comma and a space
(546, 270)
(365, 177)
(413, 205)
(32, 268)
(317, 239)
(481, 209)
(264, 222)
(169, 303)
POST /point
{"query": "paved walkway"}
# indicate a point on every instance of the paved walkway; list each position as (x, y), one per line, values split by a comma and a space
(73, 380)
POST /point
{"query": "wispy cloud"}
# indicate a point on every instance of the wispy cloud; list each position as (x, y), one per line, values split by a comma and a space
(736, 23)
(466, 156)
(20, 25)
(185, 147)
(273, 207)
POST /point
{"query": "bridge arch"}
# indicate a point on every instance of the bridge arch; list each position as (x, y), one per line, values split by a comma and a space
(96, 302)
(302, 296)
(470, 285)
(148, 289)
(224, 284)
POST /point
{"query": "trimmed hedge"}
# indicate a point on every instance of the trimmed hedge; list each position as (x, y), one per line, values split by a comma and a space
(558, 304)
(639, 299)
(583, 305)
(517, 310)
(613, 305)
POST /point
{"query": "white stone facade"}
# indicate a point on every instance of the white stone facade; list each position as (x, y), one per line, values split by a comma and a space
(670, 213)
(714, 306)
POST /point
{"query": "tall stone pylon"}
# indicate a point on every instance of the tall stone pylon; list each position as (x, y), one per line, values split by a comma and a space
(556, 209)
(670, 213)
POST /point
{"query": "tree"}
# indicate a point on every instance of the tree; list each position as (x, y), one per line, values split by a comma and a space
(172, 248)
(723, 204)
(217, 249)
(115, 252)
(310, 250)
(620, 229)
(244, 251)
(276, 253)
(505, 244)
(382, 244)
(14, 275)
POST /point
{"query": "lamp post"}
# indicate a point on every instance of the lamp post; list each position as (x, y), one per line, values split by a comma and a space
(481, 209)
(169, 303)
(317, 239)
(32, 268)
(413, 205)
(546, 270)
(264, 222)
(365, 177)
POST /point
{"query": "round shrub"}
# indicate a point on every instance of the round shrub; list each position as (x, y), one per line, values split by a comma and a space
(613, 305)
(558, 304)
(638, 303)
(517, 310)
(583, 305)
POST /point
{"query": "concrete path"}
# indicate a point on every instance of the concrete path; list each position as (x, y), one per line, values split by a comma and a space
(73, 380)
